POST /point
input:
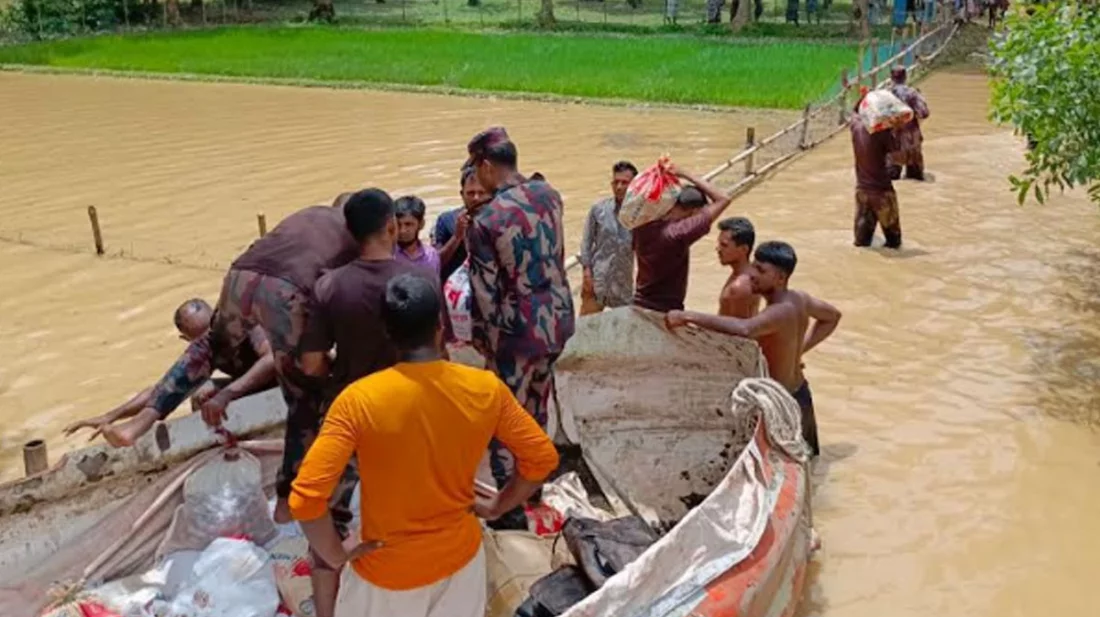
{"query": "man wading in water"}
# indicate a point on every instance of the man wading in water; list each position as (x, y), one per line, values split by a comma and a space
(782, 328)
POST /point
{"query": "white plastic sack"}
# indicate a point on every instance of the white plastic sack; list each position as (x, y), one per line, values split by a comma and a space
(566, 494)
(458, 296)
(232, 578)
(881, 110)
(223, 498)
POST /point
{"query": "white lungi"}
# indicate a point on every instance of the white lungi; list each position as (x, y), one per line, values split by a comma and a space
(460, 595)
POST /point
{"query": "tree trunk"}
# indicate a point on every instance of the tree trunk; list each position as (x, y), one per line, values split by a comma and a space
(172, 12)
(739, 14)
(860, 16)
(322, 10)
(546, 14)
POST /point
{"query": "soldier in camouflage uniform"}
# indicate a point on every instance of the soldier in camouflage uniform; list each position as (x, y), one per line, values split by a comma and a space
(522, 312)
(268, 286)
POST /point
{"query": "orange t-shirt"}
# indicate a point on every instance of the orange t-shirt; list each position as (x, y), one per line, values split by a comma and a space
(419, 431)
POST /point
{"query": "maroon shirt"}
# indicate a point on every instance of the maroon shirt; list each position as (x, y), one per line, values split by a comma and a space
(663, 250)
(346, 311)
(301, 247)
(870, 152)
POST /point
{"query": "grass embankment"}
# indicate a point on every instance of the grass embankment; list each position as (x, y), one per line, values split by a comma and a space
(667, 70)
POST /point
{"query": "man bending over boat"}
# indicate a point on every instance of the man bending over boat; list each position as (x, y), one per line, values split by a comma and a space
(269, 286)
(419, 430)
(250, 367)
(782, 329)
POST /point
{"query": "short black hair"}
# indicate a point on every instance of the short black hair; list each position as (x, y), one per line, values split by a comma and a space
(410, 310)
(410, 205)
(622, 166)
(194, 305)
(741, 230)
(366, 212)
(467, 173)
(779, 254)
(503, 153)
(691, 197)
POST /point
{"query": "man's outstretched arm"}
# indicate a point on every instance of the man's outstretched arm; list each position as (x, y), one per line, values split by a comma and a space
(766, 322)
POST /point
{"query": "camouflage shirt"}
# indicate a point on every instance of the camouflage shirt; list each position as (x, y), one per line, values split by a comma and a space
(522, 303)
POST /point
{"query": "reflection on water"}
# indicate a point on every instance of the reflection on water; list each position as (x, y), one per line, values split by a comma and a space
(955, 401)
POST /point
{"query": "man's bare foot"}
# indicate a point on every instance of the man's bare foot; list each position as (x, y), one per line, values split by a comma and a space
(282, 512)
(128, 432)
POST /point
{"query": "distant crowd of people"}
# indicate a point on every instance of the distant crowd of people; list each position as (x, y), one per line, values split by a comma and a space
(352, 314)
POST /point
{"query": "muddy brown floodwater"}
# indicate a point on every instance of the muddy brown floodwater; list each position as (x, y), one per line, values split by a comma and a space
(958, 400)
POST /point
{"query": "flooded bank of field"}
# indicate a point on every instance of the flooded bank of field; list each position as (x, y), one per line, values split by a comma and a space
(960, 474)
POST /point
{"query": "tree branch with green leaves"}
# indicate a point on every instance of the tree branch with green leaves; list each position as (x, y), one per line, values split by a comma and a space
(1046, 71)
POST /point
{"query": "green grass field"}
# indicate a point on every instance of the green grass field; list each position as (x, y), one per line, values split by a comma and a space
(652, 69)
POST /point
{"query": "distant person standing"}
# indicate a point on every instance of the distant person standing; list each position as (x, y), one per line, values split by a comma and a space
(736, 237)
(909, 137)
(782, 329)
(607, 249)
(876, 201)
(449, 234)
(663, 247)
(522, 314)
(410, 211)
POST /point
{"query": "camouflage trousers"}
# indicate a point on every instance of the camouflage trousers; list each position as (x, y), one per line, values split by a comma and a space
(281, 309)
(531, 380)
(877, 208)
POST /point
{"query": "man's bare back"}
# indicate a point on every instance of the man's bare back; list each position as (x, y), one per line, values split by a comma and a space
(783, 347)
(737, 298)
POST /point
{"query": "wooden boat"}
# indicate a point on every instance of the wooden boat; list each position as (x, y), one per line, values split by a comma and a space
(651, 411)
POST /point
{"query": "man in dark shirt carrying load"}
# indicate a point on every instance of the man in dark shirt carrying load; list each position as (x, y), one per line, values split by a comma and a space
(250, 368)
(663, 247)
(268, 286)
(876, 201)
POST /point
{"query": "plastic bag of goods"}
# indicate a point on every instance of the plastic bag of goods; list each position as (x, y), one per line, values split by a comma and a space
(881, 110)
(650, 195)
(223, 498)
(290, 558)
(232, 578)
(87, 607)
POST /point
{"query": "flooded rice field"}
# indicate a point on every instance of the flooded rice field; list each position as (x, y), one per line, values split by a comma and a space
(958, 400)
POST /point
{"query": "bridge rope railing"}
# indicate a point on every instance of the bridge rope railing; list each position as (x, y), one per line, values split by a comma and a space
(823, 119)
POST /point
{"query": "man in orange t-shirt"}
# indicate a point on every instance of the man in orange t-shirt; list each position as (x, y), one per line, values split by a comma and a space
(419, 430)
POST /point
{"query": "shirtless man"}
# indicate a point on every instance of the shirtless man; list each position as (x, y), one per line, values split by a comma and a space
(782, 329)
(735, 239)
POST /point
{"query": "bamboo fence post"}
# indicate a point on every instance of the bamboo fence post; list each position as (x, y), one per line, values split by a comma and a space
(802, 143)
(842, 105)
(874, 63)
(750, 141)
(96, 234)
(35, 459)
(261, 223)
(862, 55)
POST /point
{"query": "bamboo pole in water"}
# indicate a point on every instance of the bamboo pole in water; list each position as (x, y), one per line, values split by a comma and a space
(802, 139)
(261, 223)
(842, 100)
(97, 235)
(35, 459)
(750, 140)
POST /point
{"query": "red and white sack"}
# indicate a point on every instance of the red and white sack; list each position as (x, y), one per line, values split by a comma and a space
(458, 296)
(881, 110)
(650, 195)
(292, 575)
(223, 498)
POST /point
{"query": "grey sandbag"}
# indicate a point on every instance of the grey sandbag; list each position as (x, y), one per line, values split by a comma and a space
(555, 593)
